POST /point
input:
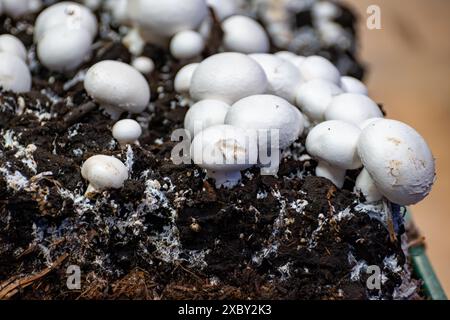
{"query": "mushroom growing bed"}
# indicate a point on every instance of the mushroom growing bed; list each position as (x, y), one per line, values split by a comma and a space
(168, 232)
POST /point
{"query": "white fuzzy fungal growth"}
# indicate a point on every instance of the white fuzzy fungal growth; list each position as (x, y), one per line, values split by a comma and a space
(243, 34)
(205, 114)
(104, 172)
(182, 83)
(187, 45)
(127, 131)
(117, 87)
(12, 45)
(228, 77)
(14, 73)
(399, 161)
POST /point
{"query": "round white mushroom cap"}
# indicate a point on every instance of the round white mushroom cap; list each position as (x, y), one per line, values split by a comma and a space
(117, 87)
(399, 161)
(168, 17)
(11, 44)
(17, 8)
(144, 65)
(104, 172)
(205, 114)
(127, 131)
(14, 73)
(313, 98)
(353, 108)
(183, 78)
(66, 14)
(267, 112)
(64, 49)
(316, 67)
(286, 55)
(224, 9)
(228, 77)
(353, 85)
(284, 78)
(325, 10)
(187, 44)
(243, 34)
(224, 151)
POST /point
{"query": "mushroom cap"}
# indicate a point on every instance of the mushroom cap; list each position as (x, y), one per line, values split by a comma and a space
(353, 85)
(187, 44)
(11, 44)
(223, 9)
(117, 84)
(127, 131)
(335, 142)
(243, 34)
(183, 78)
(286, 55)
(266, 112)
(205, 114)
(353, 108)
(168, 17)
(17, 8)
(64, 49)
(316, 67)
(284, 78)
(325, 10)
(224, 148)
(144, 65)
(67, 13)
(104, 172)
(313, 97)
(228, 77)
(14, 73)
(398, 160)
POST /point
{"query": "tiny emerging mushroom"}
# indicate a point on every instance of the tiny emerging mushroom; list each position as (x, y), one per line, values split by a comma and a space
(127, 131)
(205, 114)
(14, 73)
(144, 65)
(187, 45)
(182, 83)
(117, 87)
(103, 172)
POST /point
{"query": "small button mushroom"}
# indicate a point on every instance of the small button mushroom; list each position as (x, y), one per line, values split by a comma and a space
(14, 73)
(316, 67)
(182, 83)
(325, 11)
(144, 65)
(366, 186)
(65, 14)
(224, 9)
(228, 77)
(103, 172)
(205, 114)
(17, 8)
(117, 87)
(313, 98)
(334, 145)
(224, 151)
(187, 45)
(353, 85)
(127, 131)
(168, 17)
(399, 161)
(352, 108)
(10, 44)
(267, 112)
(243, 34)
(284, 78)
(64, 49)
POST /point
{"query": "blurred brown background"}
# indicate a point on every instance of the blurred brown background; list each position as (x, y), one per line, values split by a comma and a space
(409, 72)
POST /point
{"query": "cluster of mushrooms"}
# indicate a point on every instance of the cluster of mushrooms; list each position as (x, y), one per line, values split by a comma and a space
(247, 103)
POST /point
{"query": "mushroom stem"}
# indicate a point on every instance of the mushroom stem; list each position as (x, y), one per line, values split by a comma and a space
(334, 174)
(365, 185)
(226, 179)
(90, 191)
(112, 111)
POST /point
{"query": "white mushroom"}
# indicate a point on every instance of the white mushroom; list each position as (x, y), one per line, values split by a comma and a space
(286, 55)
(187, 45)
(366, 186)
(205, 114)
(243, 34)
(127, 131)
(104, 172)
(118, 9)
(353, 85)
(325, 11)
(224, 151)
(182, 83)
(144, 65)
(228, 77)
(14, 73)
(17, 8)
(316, 67)
(399, 161)
(353, 108)
(313, 98)
(10, 44)
(284, 78)
(224, 9)
(334, 145)
(117, 87)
